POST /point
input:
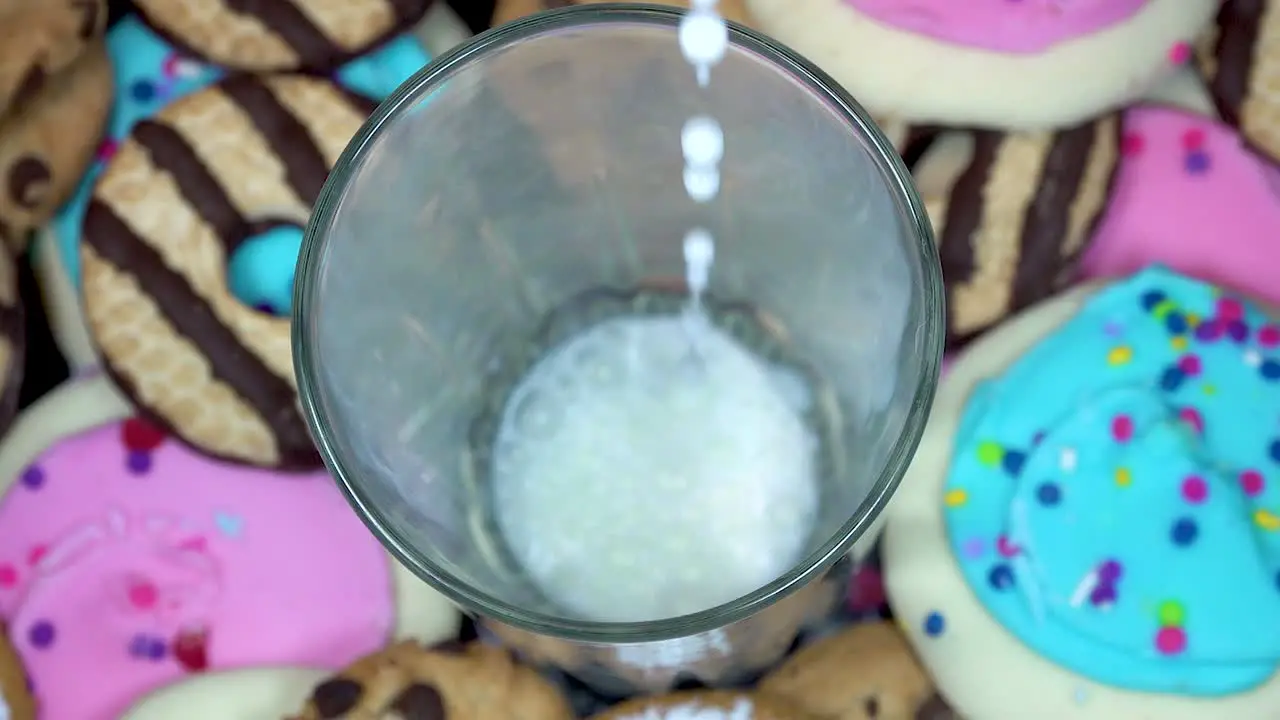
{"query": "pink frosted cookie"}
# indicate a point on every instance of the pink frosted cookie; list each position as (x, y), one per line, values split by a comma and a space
(1191, 195)
(994, 63)
(127, 561)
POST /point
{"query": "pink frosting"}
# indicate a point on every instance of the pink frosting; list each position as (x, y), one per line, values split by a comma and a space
(1008, 26)
(1191, 196)
(128, 561)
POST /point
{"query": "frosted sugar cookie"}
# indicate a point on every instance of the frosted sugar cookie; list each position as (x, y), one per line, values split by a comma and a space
(1191, 194)
(1030, 64)
(1091, 526)
(150, 74)
(128, 561)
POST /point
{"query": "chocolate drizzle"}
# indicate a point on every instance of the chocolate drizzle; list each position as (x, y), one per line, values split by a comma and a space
(286, 19)
(192, 317)
(1239, 22)
(1046, 223)
(305, 166)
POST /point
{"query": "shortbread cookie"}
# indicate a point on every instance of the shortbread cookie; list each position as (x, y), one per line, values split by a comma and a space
(149, 75)
(1091, 526)
(1012, 212)
(128, 561)
(16, 701)
(446, 682)
(40, 39)
(1192, 194)
(288, 35)
(508, 10)
(1028, 65)
(704, 705)
(48, 142)
(249, 694)
(865, 672)
(1240, 56)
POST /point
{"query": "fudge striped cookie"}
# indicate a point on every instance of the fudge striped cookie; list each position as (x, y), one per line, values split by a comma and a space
(1012, 212)
(286, 35)
(13, 341)
(183, 191)
(1240, 57)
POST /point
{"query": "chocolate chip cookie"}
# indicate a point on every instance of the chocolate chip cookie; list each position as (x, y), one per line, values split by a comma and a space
(866, 672)
(453, 681)
(16, 701)
(704, 705)
(41, 38)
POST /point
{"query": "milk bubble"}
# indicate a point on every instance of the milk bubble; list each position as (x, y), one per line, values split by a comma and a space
(704, 39)
(702, 141)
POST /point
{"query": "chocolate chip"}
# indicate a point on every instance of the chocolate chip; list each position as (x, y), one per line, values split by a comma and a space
(28, 180)
(337, 696)
(871, 706)
(31, 85)
(936, 708)
(420, 702)
(88, 10)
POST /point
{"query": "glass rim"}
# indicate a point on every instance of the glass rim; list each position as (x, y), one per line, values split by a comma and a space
(476, 601)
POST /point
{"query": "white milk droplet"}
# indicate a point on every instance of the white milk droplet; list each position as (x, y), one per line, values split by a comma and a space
(699, 253)
(704, 39)
(702, 185)
(702, 141)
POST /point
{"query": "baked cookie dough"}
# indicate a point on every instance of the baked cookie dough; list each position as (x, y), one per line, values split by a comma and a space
(1012, 211)
(129, 562)
(149, 74)
(1026, 65)
(1091, 525)
(16, 701)
(452, 681)
(865, 672)
(704, 705)
(508, 10)
(288, 35)
(47, 141)
(1193, 194)
(41, 38)
(1240, 56)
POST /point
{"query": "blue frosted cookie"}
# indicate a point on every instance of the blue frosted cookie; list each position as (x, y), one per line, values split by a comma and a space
(1092, 524)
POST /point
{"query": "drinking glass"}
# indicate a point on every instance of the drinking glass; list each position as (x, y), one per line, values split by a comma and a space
(541, 162)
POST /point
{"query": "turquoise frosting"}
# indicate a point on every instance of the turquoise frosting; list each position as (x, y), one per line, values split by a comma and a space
(149, 74)
(1114, 497)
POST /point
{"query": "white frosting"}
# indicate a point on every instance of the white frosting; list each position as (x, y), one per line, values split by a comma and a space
(741, 710)
(253, 694)
(911, 77)
(983, 670)
(652, 467)
(79, 405)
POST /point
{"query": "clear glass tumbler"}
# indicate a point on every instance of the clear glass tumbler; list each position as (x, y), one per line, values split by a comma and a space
(542, 161)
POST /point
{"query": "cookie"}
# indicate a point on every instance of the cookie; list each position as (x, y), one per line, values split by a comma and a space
(149, 75)
(244, 157)
(454, 681)
(1240, 57)
(508, 10)
(866, 671)
(1011, 213)
(130, 562)
(1193, 194)
(41, 39)
(46, 144)
(1086, 468)
(1024, 65)
(703, 705)
(269, 692)
(16, 702)
(292, 35)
